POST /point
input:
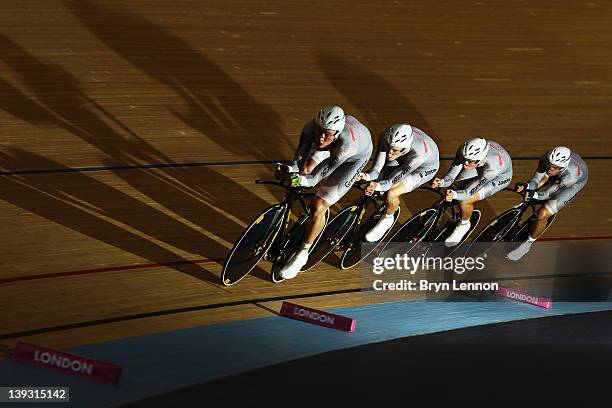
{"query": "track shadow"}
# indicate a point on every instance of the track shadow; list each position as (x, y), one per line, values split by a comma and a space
(215, 104)
(84, 205)
(381, 104)
(57, 100)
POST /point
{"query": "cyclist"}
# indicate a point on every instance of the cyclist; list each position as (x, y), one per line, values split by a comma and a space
(335, 147)
(481, 168)
(405, 159)
(560, 175)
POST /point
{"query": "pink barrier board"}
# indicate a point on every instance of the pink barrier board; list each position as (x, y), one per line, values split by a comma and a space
(318, 317)
(67, 363)
(524, 297)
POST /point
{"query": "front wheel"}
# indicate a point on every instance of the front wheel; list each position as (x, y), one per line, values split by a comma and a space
(252, 245)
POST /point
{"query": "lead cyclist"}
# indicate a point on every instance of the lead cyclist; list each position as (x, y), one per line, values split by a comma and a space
(335, 147)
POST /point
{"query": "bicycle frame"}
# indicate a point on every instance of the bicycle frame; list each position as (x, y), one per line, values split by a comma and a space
(272, 235)
(295, 194)
(361, 204)
(509, 234)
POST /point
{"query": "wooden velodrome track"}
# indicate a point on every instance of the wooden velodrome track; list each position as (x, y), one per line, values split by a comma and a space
(90, 256)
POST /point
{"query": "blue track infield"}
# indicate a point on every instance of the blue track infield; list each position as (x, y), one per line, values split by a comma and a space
(157, 363)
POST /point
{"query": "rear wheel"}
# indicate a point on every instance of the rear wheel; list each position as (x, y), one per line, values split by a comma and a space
(449, 228)
(523, 232)
(355, 252)
(252, 245)
(296, 238)
(411, 232)
(493, 233)
(332, 235)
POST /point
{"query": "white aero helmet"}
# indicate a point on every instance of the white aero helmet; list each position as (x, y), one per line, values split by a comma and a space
(399, 136)
(475, 149)
(331, 117)
(559, 156)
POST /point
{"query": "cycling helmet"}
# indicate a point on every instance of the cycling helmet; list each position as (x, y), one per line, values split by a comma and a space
(475, 149)
(331, 117)
(559, 156)
(399, 136)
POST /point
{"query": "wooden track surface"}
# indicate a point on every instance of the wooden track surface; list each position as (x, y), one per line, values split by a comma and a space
(109, 83)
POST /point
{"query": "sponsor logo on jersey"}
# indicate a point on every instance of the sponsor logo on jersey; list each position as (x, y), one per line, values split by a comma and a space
(399, 176)
(332, 163)
(506, 181)
(480, 184)
(348, 183)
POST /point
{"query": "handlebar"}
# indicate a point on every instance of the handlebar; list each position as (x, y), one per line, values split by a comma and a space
(298, 191)
(530, 201)
(376, 195)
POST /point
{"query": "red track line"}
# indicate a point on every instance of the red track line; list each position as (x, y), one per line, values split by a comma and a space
(109, 269)
(202, 261)
(602, 238)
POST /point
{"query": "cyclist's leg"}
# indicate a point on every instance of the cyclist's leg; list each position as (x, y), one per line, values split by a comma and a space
(492, 187)
(414, 180)
(553, 206)
(341, 181)
(543, 214)
(467, 206)
(335, 187)
(316, 219)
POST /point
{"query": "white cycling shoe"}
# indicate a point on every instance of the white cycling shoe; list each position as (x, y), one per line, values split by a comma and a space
(520, 251)
(460, 230)
(379, 230)
(293, 266)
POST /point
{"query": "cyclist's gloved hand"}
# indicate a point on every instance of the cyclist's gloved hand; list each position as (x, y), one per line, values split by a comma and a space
(362, 177)
(450, 195)
(296, 180)
(519, 187)
(370, 188)
(280, 170)
(531, 195)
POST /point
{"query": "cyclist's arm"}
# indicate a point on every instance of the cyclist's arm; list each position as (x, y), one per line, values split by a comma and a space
(552, 189)
(537, 181)
(314, 158)
(302, 152)
(539, 177)
(452, 174)
(323, 169)
(308, 167)
(400, 174)
(477, 184)
(379, 163)
(454, 170)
